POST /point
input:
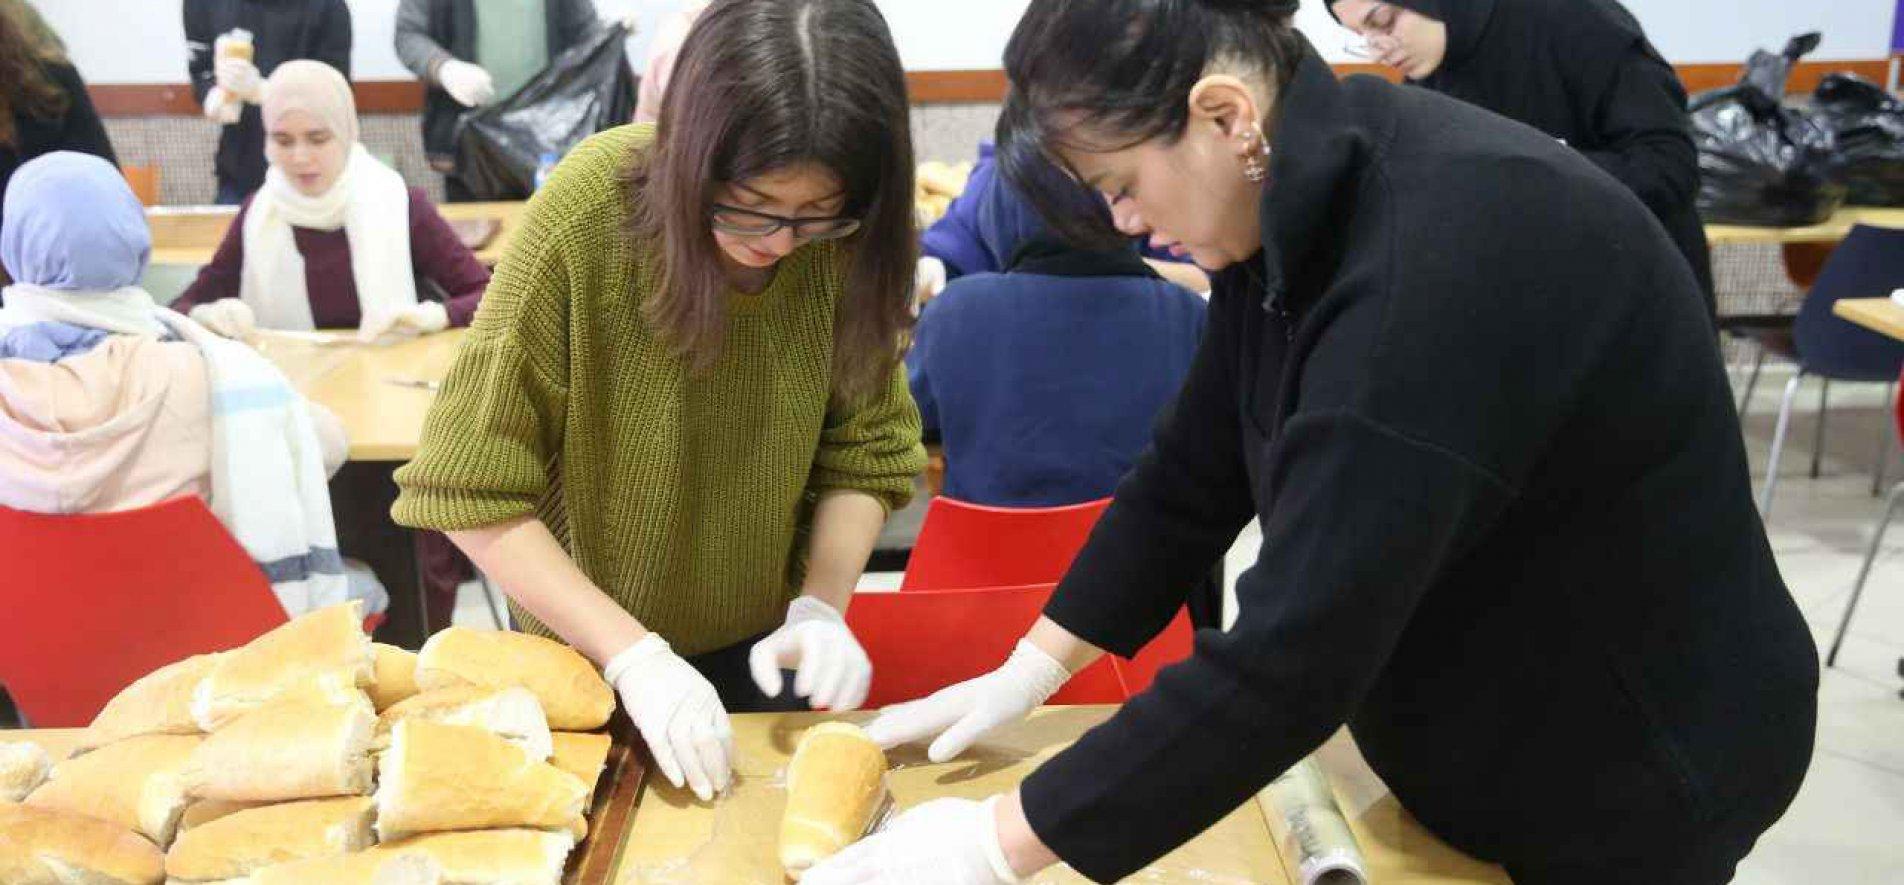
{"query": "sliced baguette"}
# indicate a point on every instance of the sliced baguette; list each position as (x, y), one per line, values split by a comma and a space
(395, 677)
(135, 783)
(303, 746)
(574, 697)
(438, 777)
(239, 844)
(159, 702)
(513, 714)
(326, 647)
(46, 846)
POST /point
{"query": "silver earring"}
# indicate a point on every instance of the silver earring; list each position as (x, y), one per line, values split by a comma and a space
(1256, 162)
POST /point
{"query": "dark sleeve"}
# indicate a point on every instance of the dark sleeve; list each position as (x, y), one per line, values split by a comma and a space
(198, 48)
(916, 375)
(1643, 135)
(1178, 510)
(219, 278)
(415, 47)
(437, 254)
(1364, 518)
(83, 131)
(333, 37)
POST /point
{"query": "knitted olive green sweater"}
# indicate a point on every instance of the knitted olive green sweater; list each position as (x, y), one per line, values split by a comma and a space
(684, 496)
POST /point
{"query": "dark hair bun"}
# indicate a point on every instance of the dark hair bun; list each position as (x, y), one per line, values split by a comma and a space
(1272, 7)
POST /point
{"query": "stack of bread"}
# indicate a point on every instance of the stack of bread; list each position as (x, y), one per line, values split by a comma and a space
(935, 186)
(313, 755)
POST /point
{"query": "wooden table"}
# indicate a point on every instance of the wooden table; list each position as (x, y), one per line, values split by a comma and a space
(188, 235)
(383, 420)
(1877, 314)
(1831, 231)
(676, 838)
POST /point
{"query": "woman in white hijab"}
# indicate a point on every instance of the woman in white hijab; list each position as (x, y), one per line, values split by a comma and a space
(334, 239)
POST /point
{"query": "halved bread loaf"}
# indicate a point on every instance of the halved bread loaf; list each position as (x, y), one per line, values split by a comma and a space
(135, 783)
(24, 765)
(835, 784)
(326, 647)
(204, 811)
(395, 675)
(574, 697)
(159, 702)
(303, 746)
(513, 714)
(492, 857)
(46, 846)
(438, 777)
(244, 842)
(583, 754)
(371, 867)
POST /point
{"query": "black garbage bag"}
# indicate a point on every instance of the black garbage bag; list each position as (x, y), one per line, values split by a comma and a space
(1868, 124)
(583, 91)
(1761, 162)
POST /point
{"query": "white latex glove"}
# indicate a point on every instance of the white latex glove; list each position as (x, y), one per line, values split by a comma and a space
(239, 78)
(928, 281)
(943, 842)
(229, 317)
(221, 107)
(469, 84)
(832, 671)
(965, 712)
(679, 715)
(422, 318)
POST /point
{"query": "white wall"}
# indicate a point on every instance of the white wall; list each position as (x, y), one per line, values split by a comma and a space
(140, 41)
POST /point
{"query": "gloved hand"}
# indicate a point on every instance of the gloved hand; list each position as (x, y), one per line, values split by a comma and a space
(469, 84)
(239, 78)
(965, 712)
(943, 842)
(391, 328)
(678, 713)
(229, 317)
(832, 670)
(927, 282)
(221, 107)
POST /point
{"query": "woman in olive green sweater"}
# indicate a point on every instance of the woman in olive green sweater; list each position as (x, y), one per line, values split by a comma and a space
(679, 421)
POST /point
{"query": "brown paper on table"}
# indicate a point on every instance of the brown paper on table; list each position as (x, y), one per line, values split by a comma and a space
(676, 839)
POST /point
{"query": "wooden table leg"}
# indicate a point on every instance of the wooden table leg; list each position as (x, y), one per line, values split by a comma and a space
(361, 495)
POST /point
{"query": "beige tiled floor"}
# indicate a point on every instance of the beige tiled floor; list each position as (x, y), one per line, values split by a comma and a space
(1847, 825)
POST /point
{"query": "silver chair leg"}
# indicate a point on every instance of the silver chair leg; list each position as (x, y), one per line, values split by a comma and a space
(498, 610)
(1818, 436)
(1870, 556)
(1884, 445)
(1778, 444)
(1752, 383)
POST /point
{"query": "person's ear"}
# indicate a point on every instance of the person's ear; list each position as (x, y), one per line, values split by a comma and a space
(1226, 102)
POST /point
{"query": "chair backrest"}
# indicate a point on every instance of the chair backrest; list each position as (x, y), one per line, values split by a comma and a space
(89, 603)
(1868, 264)
(971, 545)
(922, 642)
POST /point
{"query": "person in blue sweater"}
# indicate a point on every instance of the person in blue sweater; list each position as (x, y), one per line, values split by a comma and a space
(1043, 379)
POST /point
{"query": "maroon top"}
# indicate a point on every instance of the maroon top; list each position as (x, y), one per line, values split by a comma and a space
(435, 252)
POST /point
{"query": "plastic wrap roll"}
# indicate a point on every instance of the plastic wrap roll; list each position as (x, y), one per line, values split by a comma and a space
(1309, 828)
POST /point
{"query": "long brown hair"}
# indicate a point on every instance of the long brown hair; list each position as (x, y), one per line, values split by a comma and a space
(760, 85)
(26, 87)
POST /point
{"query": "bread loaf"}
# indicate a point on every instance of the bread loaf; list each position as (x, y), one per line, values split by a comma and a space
(46, 846)
(135, 783)
(573, 695)
(204, 811)
(241, 843)
(303, 746)
(583, 754)
(23, 766)
(835, 785)
(371, 867)
(326, 648)
(513, 714)
(438, 777)
(159, 702)
(492, 857)
(395, 675)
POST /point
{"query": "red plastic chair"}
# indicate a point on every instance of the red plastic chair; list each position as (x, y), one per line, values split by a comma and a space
(964, 545)
(93, 602)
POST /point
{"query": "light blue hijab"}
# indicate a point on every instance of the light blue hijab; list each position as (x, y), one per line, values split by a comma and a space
(72, 223)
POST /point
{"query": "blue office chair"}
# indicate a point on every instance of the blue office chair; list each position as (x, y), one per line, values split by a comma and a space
(1868, 264)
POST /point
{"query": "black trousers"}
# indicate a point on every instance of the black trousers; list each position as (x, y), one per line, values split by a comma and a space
(727, 669)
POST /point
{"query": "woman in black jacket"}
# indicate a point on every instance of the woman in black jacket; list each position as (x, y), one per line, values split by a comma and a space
(1581, 71)
(44, 107)
(1468, 388)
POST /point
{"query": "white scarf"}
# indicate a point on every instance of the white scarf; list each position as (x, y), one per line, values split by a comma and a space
(268, 483)
(370, 202)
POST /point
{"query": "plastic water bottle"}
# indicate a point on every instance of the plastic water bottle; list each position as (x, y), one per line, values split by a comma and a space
(544, 165)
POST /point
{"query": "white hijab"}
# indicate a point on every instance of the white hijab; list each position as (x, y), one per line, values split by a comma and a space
(369, 201)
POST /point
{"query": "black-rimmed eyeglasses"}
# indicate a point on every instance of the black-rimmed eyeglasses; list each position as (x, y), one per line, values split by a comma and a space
(740, 222)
